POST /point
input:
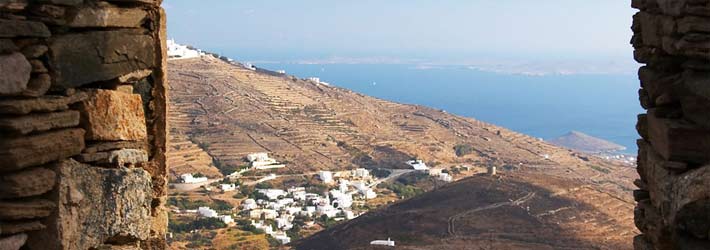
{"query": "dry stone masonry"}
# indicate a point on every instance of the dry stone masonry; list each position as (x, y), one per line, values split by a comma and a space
(672, 39)
(82, 125)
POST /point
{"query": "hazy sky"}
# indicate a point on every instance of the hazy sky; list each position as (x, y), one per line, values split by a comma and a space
(271, 29)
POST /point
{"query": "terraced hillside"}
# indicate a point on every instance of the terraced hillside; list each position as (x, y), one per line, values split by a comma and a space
(511, 211)
(227, 112)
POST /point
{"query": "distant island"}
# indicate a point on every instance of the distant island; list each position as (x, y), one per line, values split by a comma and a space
(579, 141)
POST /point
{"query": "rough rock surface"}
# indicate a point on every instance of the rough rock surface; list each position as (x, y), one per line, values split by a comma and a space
(15, 71)
(38, 86)
(25, 209)
(34, 51)
(99, 56)
(13, 242)
(7, 46)
(27, 183)
(116, 157)
(91, 213)
(39, 122)
(22, 28)
(22, 152)
(671, 38)
(41, 104)
(108, 17)
(112, 145)
(112, 115)
(22, 227)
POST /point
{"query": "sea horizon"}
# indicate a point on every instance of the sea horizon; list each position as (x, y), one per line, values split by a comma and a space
(545, 106)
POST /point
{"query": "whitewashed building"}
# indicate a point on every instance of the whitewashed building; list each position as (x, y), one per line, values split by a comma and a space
(361, 173)
(228, 187)
(418, 165)
(207, 212)
(227, 219)
(272, 194)
(389, 242)
(341, 199)
(446, 177)
(190, 179)
(178, 51)
(249, 204)
(326, 176)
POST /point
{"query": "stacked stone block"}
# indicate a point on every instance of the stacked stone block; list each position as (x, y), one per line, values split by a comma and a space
(82, 124)
(672, 39)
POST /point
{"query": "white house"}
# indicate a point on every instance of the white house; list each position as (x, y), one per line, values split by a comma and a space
(190, 179)
(361, 173)
(262, 226)
(343, 185)
(268, 214)
(342, 199)
(298, 194)
(435, 171)
(369, 194)
(177, 51)
(281, 237)
(249, 204)
(284, 223)
(389, 242)
(262, 163)
(349, 214)
(207, 212)
(360, 186)
(273, 194)
(285, 201)
(228, 187)
(249, 66)
(446, 177)
(227, 219)
(418, 165)
(255, 213)
(326, 176)
(258, 157)
(281, 72)
(327, 210)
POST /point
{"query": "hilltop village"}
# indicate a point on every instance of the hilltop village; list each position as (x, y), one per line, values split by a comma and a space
(282, 213)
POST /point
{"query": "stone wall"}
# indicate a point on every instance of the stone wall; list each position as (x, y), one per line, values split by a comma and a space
(82, 124)
(672, 39)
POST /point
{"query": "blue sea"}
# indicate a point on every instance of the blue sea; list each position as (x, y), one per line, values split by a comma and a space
(603, 106)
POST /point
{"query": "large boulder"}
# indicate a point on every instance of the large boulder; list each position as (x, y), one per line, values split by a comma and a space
(113, 116)
(90, 213)
(87, 57)
(15, 71)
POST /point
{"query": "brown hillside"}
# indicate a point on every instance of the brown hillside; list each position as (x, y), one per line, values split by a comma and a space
(512, 211)
(231, 111)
